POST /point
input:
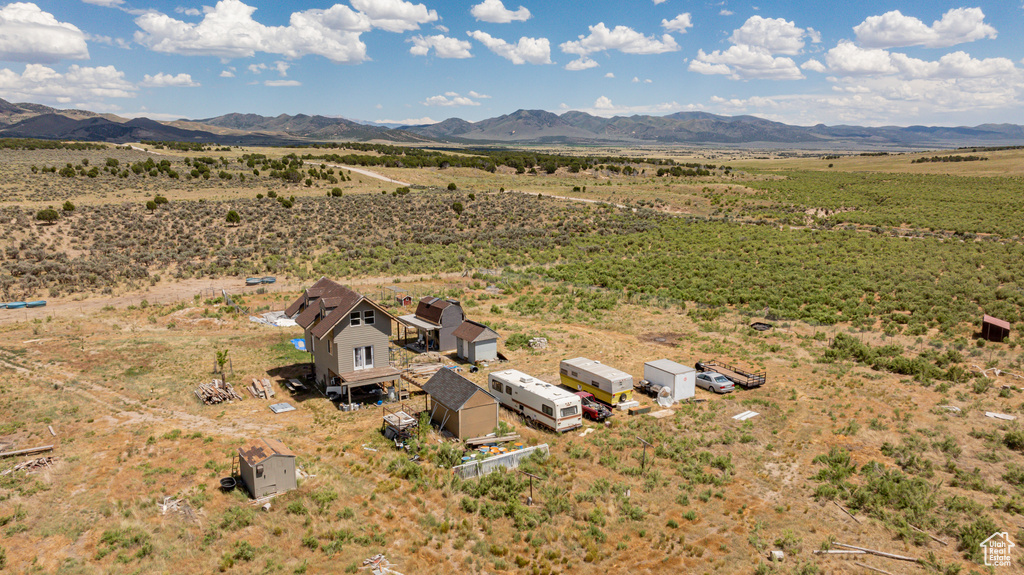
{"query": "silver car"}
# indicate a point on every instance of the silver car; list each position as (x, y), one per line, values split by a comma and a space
(715, 382)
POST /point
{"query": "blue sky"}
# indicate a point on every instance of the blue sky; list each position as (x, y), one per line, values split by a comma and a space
(800, 62)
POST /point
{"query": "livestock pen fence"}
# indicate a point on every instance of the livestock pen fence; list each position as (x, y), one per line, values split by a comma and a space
(509, 460)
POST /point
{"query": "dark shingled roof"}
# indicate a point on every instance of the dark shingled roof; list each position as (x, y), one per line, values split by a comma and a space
(341, 312)
(473, 332)
(430, 308)
(259, 451)
(332, 296)
(451, 389)
(314, 291)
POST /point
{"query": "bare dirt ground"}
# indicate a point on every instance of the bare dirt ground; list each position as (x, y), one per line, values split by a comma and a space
(116, 386)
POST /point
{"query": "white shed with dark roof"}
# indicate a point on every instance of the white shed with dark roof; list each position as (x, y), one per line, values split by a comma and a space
(461, 406)
(476, 342)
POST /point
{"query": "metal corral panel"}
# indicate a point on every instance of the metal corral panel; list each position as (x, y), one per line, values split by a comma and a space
(681, 379)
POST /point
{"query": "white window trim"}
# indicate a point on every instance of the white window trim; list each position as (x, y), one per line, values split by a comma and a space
(368, 317)
(355, 319)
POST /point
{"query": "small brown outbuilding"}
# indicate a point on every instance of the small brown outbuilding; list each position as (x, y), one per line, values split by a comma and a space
(267, 467)
(994, 329)
(461, 406)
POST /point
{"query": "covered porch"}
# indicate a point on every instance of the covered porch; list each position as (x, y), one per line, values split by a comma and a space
(427, 334)
(385, 378)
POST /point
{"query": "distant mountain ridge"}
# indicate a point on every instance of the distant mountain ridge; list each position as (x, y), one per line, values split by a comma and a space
(521, 127)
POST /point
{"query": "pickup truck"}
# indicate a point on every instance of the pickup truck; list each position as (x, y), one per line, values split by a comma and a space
(593, 409)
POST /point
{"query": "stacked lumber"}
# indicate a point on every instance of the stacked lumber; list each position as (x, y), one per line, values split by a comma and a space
(216, 391)
(30, 465)
(419, 373)
(261, 389)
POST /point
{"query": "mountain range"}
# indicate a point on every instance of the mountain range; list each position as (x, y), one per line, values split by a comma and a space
(522, 127)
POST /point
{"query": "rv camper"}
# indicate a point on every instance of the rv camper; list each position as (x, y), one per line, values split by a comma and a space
(539, 402)
(606, 383)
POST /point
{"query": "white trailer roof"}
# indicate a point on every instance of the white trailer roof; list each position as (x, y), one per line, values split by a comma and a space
(670, 366)
(534, 385)
(596, 367)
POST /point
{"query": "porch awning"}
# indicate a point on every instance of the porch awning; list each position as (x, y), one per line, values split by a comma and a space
(412, 321)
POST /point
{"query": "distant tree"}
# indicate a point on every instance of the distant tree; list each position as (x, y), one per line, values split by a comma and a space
(457, 208)
(452, 186)
(159, 200)
(336, 192)
(68, 206)
(472, 197)
(233, 217)
(271, 194)
(48, 216)
(151, 205)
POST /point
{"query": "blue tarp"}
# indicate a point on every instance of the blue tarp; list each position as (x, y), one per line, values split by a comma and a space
(300, 344)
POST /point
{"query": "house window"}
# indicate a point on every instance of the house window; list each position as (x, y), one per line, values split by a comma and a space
(548, 411)
(354, 318)
(330, 347)
(368, 317)
(363, 357)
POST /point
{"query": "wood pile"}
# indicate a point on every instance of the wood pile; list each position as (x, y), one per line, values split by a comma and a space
(261, 389)
(215, 392)
(31, 465)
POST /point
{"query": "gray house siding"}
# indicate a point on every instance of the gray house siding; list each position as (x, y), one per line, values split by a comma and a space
(451, 318)
(348, 337)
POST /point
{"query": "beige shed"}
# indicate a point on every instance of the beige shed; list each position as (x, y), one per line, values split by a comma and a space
(461, 406)
(267, 467)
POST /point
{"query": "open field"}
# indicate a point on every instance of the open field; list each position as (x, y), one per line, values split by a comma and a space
(874, 284)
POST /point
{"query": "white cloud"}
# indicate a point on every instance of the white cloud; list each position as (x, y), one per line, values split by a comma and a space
(678, 24)
(27, 34)
(426, 120)
(280, 67)
(162, 80)
(848, 59)
(581, 63)
(775, 35)
(282, 83)
(813, 65)
(725, 12)
(40, 83)
(107, 3)
(743, 62)
(609, 75)
(394, 15)
(227, 74)
(656, 2)
(648, 81)
(636, 80)
(621, 38)
(188, 11)
(228, 30)
(109, 41)
(893, 29)
(527, 50)
(495, 12)
(444, 47)
(474, 94)
(450, 99)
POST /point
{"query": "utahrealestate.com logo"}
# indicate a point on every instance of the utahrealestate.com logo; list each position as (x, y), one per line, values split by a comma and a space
(997, 550)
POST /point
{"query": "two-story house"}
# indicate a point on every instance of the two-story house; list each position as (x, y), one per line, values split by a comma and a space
(348, 335)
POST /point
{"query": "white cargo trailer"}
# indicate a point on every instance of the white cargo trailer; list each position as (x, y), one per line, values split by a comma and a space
(678, 378)
(536, 400)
